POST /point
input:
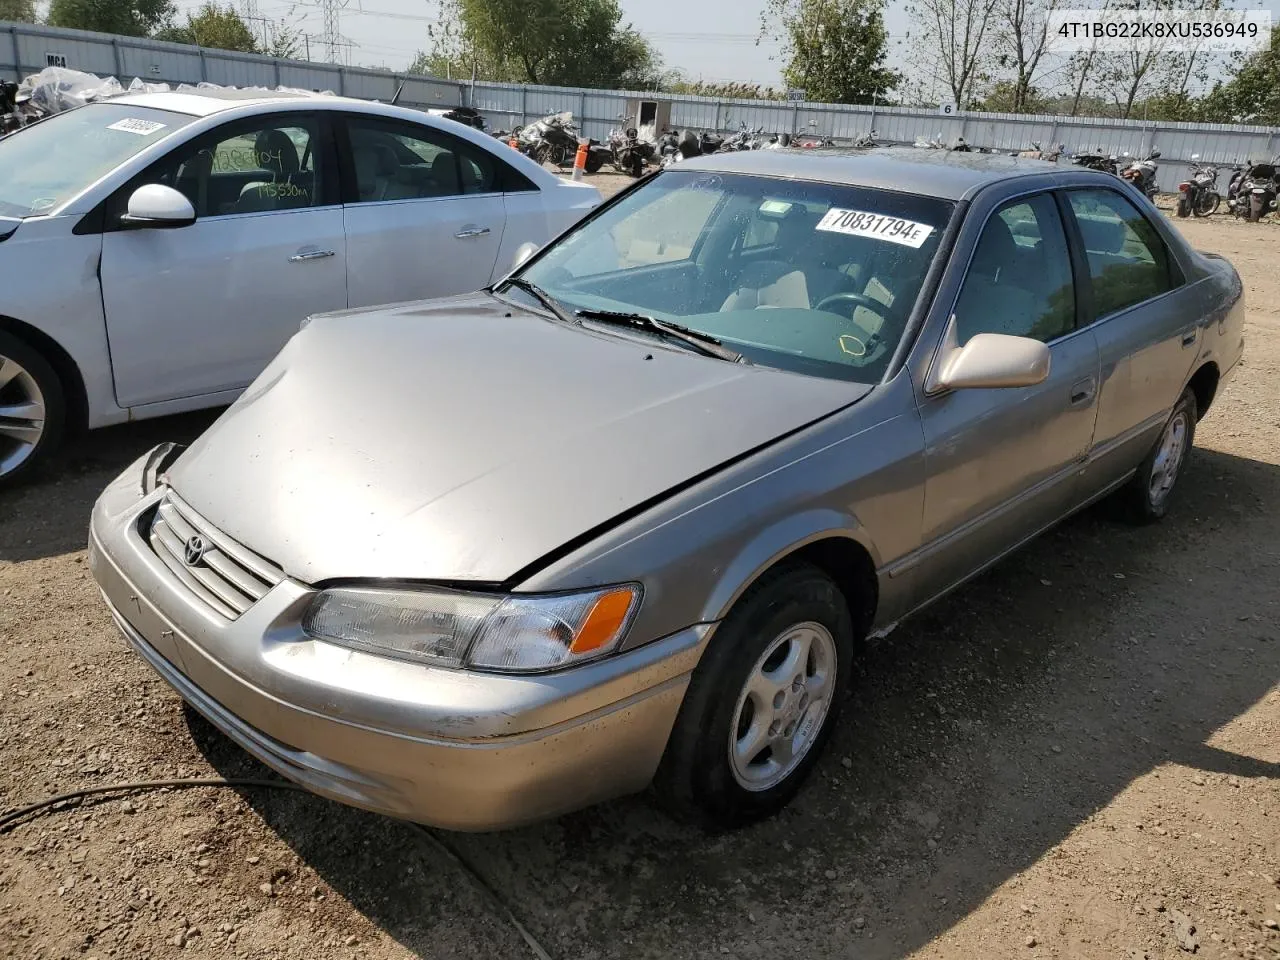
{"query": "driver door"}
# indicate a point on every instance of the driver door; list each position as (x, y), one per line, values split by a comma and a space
(199, 311)
(1002, 464)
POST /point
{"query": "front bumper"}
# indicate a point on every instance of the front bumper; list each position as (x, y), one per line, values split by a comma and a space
(451, 748)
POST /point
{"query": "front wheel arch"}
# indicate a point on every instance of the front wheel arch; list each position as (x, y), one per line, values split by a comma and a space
(834, 543)
(68, 371)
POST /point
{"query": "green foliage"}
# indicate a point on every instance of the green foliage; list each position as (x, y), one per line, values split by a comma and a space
(131, 18)
(835, 50)
(213, 26)
(23, 11)
(580, 43)
(1253, 95)
(675, 83)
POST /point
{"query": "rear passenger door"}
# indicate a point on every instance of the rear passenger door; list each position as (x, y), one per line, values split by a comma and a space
(423, 211)
(1146, 320)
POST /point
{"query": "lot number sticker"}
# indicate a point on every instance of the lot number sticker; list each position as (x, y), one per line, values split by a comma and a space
(142, 128)
(857, 223)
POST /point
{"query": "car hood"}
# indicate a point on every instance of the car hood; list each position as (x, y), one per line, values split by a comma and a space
(465, 439)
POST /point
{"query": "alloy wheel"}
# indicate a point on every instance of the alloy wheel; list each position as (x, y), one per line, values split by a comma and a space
(22, 414)
(782, 706)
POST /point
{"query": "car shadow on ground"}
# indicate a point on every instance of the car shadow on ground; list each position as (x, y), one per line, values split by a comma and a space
(975, 739)
(47, 514)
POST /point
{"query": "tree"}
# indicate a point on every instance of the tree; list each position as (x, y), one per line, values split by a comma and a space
(284, 40)
(131, 18)
(1022, 37)
(953, 39)
(560, 42)
(23, 11)
(213, 26)
(835, 49)
(1253, 94)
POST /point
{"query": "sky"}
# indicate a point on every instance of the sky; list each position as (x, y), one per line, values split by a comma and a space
(714, 40)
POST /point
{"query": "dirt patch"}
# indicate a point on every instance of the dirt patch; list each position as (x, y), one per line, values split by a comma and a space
(1077, 756)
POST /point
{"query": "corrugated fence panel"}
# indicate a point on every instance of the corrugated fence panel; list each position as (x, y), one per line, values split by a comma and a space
(419, 91)
(370, 86)
(159, 65)
(35, 46)
(231, 72)
(309, 77)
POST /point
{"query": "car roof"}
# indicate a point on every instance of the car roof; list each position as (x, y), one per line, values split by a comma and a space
(203, 102)
(949, 174)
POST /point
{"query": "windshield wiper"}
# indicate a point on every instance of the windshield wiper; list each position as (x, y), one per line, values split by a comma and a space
(544, 298)
(704, 343)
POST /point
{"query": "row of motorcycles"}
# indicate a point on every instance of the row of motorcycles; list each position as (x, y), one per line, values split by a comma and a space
(554, 139)
(1251, 193)
(1139, 172)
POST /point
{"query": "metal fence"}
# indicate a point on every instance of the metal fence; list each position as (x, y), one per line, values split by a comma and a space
(598, 111)
(25, 49)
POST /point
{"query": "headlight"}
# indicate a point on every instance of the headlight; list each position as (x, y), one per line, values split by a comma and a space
(509, 634)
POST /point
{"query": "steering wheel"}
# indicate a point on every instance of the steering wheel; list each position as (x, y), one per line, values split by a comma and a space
(867, 339)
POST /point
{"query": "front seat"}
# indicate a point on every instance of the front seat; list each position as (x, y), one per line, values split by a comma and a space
(801, 281)
(277, 155)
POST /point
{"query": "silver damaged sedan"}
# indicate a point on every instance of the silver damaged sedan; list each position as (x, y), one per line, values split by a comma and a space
(624, 518)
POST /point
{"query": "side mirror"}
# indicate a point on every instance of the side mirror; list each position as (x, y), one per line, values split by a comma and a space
(1155, 154)
(989, 361)
(157, 207)
(523, 253)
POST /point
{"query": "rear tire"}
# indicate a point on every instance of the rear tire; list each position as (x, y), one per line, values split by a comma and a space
(1255, 208)
(1145, 499)
(33, 409)
(762, 702)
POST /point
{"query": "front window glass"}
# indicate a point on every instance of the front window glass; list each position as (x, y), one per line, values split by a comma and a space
(811, 277)
(48, 163)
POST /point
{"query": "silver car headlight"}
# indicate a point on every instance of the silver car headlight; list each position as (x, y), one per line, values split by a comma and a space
(452, 628)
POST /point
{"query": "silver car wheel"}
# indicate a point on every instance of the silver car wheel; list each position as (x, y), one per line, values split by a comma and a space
(1169, 457)
(22, 414)
(782, 707)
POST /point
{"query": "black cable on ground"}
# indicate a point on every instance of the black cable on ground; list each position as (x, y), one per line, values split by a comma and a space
(8, 819)
(14, 815)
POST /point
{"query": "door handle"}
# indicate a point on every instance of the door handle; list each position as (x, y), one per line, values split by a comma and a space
(468, 232)
(311, 255)
(1189, 338)
(1082, 391)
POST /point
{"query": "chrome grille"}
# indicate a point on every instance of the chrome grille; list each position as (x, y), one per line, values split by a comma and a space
(228, 577)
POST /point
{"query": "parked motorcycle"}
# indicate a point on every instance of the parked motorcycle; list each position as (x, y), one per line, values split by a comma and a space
(1096, 160)
(669, 148)
(1198, 194)
(745, 139)
(1253, 190)
(867, 141)
(554, 139)
(812, 142)
(1142, 174)
(1036, 153)
(628, 153)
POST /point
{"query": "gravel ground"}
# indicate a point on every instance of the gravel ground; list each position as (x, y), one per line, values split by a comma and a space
(1077, 756)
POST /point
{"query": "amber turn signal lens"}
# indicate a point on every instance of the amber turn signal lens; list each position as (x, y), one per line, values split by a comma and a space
(603, 622)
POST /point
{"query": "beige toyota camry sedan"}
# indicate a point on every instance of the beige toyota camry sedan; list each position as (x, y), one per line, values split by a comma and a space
(622, 518)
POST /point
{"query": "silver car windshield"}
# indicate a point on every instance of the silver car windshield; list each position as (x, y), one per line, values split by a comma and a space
(48, 163)
(811, 277)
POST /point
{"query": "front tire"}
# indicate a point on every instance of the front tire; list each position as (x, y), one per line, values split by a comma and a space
(1146, 497)
(762, 702)
(1207, 203)
(1256, 210)
(1183, 207)
(32, 408)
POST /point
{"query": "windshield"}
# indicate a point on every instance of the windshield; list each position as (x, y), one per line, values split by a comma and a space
(48, 163)
(811, 277)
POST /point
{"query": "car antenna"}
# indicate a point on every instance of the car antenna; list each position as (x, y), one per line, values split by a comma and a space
(399, 90)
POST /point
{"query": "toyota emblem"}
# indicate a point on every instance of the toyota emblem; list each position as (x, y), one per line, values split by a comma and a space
(195, 550)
